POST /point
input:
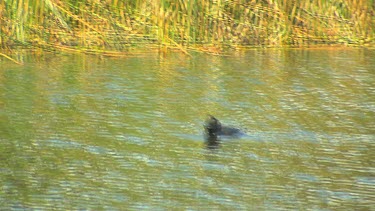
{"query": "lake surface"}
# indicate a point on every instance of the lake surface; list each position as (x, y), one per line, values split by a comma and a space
(89, 133)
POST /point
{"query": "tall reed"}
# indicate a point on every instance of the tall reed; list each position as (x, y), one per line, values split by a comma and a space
(119, 25)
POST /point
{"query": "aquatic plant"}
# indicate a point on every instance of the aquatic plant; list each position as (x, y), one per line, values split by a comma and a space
(113, 26)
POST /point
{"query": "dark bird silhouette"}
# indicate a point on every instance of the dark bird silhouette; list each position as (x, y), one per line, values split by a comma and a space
(214, 130)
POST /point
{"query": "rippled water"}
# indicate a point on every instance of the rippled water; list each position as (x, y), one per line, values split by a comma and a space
(87, 133)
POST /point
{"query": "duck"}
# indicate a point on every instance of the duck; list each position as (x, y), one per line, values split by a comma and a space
(213, 129)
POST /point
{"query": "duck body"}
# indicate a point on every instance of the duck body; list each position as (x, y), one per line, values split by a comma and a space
(214, 129)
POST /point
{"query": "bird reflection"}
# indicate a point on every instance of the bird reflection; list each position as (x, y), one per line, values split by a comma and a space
(212, 142)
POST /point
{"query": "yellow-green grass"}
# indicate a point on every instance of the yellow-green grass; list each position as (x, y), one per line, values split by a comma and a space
(111, 26)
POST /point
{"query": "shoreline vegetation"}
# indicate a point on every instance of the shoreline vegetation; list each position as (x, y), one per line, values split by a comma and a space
(117, 27)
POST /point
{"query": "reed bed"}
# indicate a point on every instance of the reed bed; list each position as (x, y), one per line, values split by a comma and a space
(116, 26)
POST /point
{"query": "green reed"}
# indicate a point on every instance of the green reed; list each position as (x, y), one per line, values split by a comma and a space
(110, 26)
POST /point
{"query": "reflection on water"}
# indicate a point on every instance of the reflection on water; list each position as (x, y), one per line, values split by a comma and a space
(78, 132)
(212, 142)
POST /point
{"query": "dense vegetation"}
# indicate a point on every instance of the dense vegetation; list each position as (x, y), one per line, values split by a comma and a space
(105, 26)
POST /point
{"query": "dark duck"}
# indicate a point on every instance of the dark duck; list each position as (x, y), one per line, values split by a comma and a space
(214, 129)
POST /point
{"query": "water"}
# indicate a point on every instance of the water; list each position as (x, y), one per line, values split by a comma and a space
(86, 133)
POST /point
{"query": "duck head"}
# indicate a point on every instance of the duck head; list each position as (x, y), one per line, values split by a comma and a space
(212, 126)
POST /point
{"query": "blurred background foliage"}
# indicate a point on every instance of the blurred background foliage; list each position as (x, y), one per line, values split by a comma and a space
(120, 25)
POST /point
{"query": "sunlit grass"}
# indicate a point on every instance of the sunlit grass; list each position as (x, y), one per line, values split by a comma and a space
(207, 25)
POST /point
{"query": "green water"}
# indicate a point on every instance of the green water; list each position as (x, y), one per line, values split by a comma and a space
(87, 133)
